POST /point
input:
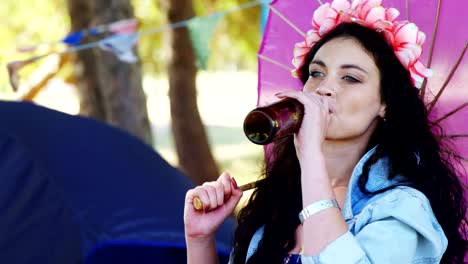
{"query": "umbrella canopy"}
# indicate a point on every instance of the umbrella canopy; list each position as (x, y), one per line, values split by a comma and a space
(72, 186)
(446, 44)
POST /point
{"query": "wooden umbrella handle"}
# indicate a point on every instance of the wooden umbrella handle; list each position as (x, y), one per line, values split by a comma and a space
(198, 204)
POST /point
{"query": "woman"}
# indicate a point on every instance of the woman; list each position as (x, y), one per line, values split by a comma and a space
(365, 174)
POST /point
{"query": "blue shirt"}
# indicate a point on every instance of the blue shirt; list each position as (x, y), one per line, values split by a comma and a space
(397, 226)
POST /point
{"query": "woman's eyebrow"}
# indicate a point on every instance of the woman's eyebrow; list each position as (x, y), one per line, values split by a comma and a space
(353, 66)
(344, 66)
(318, 62)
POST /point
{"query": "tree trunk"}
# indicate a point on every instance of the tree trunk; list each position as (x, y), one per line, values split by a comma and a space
(110, 90)
(190, 138)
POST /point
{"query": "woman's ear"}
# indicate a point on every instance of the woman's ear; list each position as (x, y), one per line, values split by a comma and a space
(383, 111)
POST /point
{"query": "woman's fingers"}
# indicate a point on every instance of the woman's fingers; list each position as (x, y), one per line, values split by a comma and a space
(219, 192)
(213, 194)
(201, 193)
(306, 98)
(212, 197)
(326, 107)
(225, 180)
(235, 197)
(315, 122)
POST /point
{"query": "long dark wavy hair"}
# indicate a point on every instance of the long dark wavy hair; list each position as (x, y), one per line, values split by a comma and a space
(407, 138)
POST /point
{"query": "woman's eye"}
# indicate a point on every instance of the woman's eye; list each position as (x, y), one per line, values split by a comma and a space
(350, 79)
(315, 74)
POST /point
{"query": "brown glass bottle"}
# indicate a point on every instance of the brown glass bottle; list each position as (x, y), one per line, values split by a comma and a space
(266, 124)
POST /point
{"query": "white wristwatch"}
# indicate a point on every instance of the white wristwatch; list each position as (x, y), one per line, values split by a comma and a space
(317, 207)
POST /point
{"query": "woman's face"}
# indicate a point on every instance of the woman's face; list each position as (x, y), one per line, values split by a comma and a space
(347, 76)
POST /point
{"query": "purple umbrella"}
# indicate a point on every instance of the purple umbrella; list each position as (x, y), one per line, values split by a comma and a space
(444, 24)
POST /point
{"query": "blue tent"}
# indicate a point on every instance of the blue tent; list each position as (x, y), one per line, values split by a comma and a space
(74, 190)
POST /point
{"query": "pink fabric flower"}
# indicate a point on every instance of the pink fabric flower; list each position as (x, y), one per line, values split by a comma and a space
(404, 37)
(325, 18)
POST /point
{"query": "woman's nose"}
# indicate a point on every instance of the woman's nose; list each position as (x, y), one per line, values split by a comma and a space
(324, 89)
(324, 86)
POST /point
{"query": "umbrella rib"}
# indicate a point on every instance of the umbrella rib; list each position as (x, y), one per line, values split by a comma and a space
(407, 10)
(449, 77)
(279, 64)
(451, 112)
(287, 21)
(455, 136)
(431, 49)
(320, 2)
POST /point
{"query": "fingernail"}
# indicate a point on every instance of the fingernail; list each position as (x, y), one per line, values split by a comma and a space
(234, 183)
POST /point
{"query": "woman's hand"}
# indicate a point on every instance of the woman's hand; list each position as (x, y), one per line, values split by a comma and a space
(309, 139)
(219, 200)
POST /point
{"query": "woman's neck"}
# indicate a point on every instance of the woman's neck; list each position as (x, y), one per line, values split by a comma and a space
(341, 158)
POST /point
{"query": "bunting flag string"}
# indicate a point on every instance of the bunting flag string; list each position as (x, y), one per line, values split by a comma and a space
(131, 25)
(124, 37)
(125, 26)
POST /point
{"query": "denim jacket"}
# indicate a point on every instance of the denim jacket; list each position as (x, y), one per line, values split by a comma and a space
(396, 226)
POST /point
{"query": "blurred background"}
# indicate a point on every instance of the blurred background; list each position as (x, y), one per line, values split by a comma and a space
(180, 75)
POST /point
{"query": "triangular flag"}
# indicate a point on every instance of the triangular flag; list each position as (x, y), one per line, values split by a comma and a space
(121, 46)
(201, 29)
(13, 68)
(126, 26)
(74, 38)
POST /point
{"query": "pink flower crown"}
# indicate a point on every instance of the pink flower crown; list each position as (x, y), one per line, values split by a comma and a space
(403, 36)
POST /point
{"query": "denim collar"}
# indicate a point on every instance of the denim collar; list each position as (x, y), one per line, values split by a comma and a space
(378, 179)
